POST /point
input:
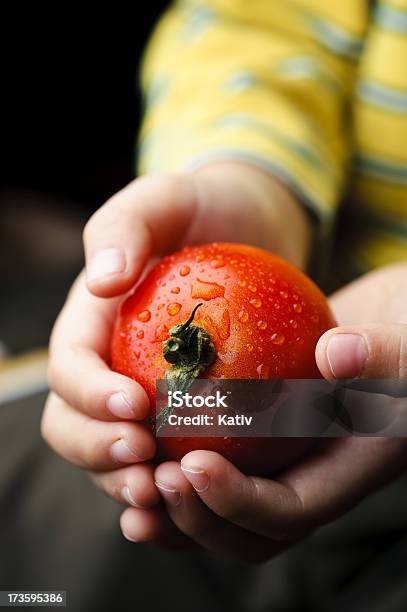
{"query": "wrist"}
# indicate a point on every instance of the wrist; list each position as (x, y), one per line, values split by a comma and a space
(243, 203)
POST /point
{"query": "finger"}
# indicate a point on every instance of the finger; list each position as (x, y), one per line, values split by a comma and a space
(132, 485)
(153, 525)
(360, 302)
(342, 473)
(262, 506)
(77, 371)
(314, 492)
(93, 444)
(196, 521)
(148, 217)
(368, 351)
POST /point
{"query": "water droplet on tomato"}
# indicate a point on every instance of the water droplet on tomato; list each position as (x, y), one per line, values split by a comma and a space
(173, 308)
(255, 302)
(278, 339)
(205, 290)
(217, 263)
(200, 257)
(262, 324)
(252, 288)
(224, 325)
(242, 283)
(161, 332)
(175, 290)
(293, 323)
(140, 334)
(297, 307)
(185, 270)
(284, 294)
(122, 334)
(250, 347)
(243, 315)
(315, 318)
(144, 316)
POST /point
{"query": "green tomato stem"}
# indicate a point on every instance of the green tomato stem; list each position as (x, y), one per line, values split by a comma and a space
(189, 350)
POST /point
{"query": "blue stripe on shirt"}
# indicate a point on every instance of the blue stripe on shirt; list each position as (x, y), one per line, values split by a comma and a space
(384, 96)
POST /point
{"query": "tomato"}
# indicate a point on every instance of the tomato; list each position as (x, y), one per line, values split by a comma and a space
(263, 318)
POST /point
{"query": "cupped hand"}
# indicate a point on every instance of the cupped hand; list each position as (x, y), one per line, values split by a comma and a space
(251, 518)
(92, 414)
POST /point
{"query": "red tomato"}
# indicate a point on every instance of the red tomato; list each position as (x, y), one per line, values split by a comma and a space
(263, 316)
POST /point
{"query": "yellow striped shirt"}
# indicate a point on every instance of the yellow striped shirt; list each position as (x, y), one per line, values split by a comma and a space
(313, 91)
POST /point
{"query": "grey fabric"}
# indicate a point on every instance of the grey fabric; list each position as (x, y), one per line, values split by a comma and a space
(59, 532)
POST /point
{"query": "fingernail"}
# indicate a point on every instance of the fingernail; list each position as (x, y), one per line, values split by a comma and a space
(122, 453)
(104, 263)
(199, 479)
(171, 496)
(128, 537)
(126, 494)
(119, 405)
(346, 354)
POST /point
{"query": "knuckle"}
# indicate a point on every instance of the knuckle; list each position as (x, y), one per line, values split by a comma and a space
(402, 352)
(234, 514)
(236, 511)
(388, 350)
(109, 213)
(170, 185)
(87, 456)
(104, 484)
(167, 187)
(91, 448)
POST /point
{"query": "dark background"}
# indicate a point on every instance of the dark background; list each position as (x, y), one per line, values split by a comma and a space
(70, 114)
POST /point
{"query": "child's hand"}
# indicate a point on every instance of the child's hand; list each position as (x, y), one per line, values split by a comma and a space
(251, 518)
(91, 415)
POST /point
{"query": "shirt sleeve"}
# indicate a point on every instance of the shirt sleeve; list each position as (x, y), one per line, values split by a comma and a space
(266, 81)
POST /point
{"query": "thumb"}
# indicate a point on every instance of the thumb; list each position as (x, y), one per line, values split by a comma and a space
(369, 351)
(148, 217)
